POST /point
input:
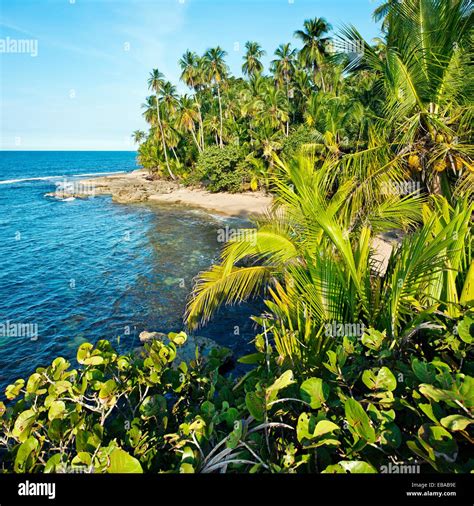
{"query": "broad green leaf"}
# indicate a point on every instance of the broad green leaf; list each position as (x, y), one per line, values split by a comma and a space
(391, 436)
(314, 391)
(12, 391)
(425, 372)
(456, 422)
(256, 405)
(466, 329)
(357, 467)
(122, 462)
(23, 424)
(178, 339)
(280, 383)
(57, 410)
(22, 460)
(436, 394)
(53, 465)
(373, 339)
(358, 420)
(324, 427)
(84, 356)
(438, 442)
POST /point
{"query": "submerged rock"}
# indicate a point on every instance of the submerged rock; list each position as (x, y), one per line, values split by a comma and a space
(187, 352)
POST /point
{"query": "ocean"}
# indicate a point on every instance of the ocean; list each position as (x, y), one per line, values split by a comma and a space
(82, 270)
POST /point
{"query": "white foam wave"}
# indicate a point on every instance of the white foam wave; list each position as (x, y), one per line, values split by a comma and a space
(52, 178)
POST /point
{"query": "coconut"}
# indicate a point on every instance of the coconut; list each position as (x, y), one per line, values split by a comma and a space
(440, 166)
(414, 161)
(459, 163)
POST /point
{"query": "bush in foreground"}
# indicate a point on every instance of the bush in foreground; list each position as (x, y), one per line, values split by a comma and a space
(367, 410)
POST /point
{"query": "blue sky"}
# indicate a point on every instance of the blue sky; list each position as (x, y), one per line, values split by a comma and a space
(84, 88)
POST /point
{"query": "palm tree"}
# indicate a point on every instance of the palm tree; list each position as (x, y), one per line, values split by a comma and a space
(425, 81)
(155, 83)
(252, 65)
(138, 136)
(314, 47)
(217, 71)
(283, 68)
(312, 214)
(191, 74)
(188, 115)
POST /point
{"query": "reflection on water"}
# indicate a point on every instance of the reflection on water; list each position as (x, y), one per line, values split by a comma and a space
(86, 270)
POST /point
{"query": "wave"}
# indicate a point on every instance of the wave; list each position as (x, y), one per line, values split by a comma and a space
(52, 178)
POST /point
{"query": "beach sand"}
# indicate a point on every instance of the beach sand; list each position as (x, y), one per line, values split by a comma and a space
(138, 186)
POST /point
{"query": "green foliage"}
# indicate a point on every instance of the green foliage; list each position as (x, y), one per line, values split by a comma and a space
(220, 169)
(148, 413)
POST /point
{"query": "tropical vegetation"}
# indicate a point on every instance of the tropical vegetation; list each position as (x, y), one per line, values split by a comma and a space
(360, 360)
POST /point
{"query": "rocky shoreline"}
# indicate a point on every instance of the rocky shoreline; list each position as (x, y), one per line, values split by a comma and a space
(138, 186)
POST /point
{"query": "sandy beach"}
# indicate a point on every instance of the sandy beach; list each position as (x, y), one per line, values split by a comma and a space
(138, 186)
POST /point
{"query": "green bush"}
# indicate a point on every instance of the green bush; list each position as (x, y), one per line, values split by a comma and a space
(220, 170)
(366, 409)
(295, 142)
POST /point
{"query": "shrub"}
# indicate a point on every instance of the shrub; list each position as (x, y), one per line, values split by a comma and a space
(295, 142)
(366, 408)
(219, 168)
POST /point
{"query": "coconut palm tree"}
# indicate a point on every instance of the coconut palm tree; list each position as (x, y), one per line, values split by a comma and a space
(252, 65)
(283, 67)
(191, 74)
(426, 83)
(138, 136)
(314, 48)
(156, 83)
(188, 116)
(311, 215)
(217, 71)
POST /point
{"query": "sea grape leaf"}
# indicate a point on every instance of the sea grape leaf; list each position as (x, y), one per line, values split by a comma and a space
(256, 405)
(357, 467)
(56, 410)
(372, 339)
(314, 391)
(425, 372)
(359, 421)
(23, 424)
(466, 329)
(122, 462)
(456, 422)
(280, 383)
(22, 459)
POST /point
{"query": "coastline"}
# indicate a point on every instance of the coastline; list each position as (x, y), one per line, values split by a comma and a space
(137, 186)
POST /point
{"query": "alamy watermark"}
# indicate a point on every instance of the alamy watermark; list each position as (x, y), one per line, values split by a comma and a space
(340, 46)
(68, 188)
(392, 468)
(228, 234)
(400, 187)
(11, 329)
(19, 46)
(338, 329)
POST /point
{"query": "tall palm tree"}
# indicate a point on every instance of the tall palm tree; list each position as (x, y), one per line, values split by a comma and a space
(283, 67)
(217, 70)
(314, 47)
(252, 65)
(155, 83)
(188, 115)
(191, 74)
(138, 136)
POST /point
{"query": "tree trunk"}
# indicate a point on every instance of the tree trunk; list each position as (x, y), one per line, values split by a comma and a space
(220, 114)
(163, 137)
(195, 140)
